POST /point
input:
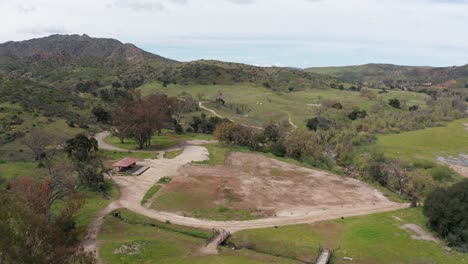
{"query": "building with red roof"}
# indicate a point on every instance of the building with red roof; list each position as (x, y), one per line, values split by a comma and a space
(125, 164)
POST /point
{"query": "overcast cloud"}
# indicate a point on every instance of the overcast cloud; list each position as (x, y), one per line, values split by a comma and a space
(298, 33)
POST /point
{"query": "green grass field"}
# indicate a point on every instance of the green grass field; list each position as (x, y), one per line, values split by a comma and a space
(172, 154)
(10, 170)
(368, 239)
(95, 202)
(166, 243)
(427, 143)
(157, 142)
(150, 193)
(117, 155)
(274, 106)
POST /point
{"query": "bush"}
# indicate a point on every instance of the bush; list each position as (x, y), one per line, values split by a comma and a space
(446, 210)
(424, 164)
(278, 149)
(356, 114)
(442, 173)
(179, 129)
(394, 103)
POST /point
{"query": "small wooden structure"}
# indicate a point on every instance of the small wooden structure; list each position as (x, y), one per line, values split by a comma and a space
(124, 164)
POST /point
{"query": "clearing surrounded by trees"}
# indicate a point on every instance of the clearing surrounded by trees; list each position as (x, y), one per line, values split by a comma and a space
(250, 186)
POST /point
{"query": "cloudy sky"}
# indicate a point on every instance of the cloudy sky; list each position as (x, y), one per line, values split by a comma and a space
(298, 33)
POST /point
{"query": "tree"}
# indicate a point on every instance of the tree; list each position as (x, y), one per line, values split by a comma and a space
(139, 118)
(446, 211)
(82, 150)
(357, 114)
(33, 233)
(319, 122)
(237, 134)
(395, 103)
(81, 147)
(273, 133)
(101, 114)
(413, 108)
(301, 144)
(41, 144)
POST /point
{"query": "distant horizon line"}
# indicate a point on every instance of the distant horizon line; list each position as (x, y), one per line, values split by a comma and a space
(245, 63)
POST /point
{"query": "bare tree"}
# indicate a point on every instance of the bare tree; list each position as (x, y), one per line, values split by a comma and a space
(43, 144)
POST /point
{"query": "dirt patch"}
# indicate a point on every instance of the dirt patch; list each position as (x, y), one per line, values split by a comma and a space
(419, 233)
(459, 164)
(128, 249)
(263, 186)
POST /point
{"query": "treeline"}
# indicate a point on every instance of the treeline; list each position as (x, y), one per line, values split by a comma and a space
(37, 224)
(341, 146)
(446, 210)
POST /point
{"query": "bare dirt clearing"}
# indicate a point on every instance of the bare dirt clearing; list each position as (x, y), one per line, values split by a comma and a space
(264, 187)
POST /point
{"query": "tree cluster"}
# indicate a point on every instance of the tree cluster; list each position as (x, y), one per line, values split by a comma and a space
(446, 210)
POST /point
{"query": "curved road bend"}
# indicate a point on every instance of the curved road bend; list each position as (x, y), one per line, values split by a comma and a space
(134, 188)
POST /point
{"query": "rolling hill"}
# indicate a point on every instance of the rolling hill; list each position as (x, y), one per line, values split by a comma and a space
(66, 59)
(413, 75)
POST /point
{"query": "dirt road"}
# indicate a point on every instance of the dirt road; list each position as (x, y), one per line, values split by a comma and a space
(134, 188)
(103, 145)
(200, 104)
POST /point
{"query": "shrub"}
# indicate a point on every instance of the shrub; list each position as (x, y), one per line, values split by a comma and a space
(278, 149)
(446, 212)
(357, 114)
(441, 173)
(394, 103)
(179, 129)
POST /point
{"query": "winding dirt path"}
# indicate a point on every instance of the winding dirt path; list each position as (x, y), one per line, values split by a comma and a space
(200, 104)
(134, 188)
(104, 145)
(291, 121)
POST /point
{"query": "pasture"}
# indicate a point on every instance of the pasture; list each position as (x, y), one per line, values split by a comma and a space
(370, 239)
(165, 243)
(428, 143)
(256, 105)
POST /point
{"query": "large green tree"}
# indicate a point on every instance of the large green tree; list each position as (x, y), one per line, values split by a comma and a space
(447, 214)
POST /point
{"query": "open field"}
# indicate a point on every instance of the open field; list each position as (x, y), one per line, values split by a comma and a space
(94, 202)
(427, 143)
(371, 239)
(251, 186)
(166, 243)
(264, 105)
(12, 170)
(157, 142)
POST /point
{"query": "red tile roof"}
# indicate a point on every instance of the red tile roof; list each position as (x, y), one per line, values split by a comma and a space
(126, 162)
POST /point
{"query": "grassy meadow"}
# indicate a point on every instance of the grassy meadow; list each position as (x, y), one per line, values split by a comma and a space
(264, 105)
(370, 239)
(166, 243)
(428, 143)
(157, 142)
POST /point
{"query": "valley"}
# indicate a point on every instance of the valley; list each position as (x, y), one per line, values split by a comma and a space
(288, 161)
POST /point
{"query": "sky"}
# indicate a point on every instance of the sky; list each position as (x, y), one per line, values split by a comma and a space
(292, 33)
